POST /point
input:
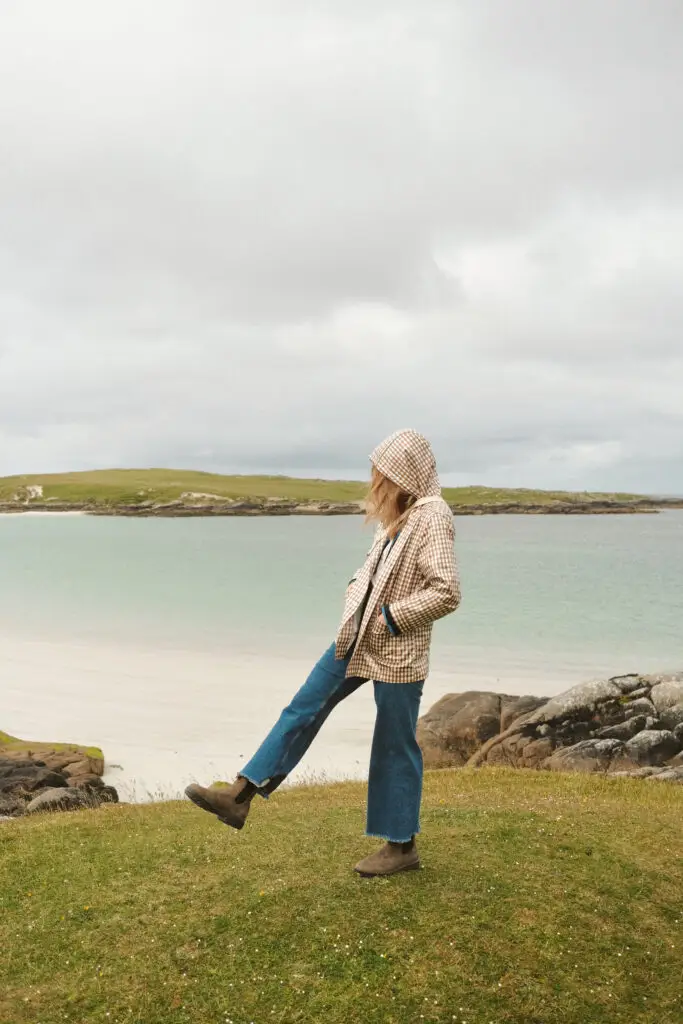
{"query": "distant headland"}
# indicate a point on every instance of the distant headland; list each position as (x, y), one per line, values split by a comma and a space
(167, 492)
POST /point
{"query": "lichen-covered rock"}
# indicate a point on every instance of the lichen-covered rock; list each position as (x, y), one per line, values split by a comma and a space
(66, 799)
(624, 725)
(667, 773)
(667, 693)
(636, 773)
(521, 751)
(624, 730)
(631, 683)
(56, 756)
(642, 691)
(652, 747)
(589, 756)
(57, 780)
(639, 706)
(673, 774)
(24, 777)
(580, 700)
(11, 806)
(672, 717)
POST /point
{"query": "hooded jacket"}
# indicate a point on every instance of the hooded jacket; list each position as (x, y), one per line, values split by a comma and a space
(416, 584)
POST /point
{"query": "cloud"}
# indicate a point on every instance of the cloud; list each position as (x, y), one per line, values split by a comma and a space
(258, 238)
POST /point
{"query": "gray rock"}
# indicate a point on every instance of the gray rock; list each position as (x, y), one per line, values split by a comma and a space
(27, 779)
(36, 783)
(637, 773)
(642, 691)
(11, 806)
(589, 756)
(67, 799)
(668, 692)
(514, 708)
(580, 700)
(569, 731)
(625, 730)
(652, 747)
(641, 706)
(520, 751)
(628, 683)
(678, 733)
(566, 734)
(672, 717)
(670, 775)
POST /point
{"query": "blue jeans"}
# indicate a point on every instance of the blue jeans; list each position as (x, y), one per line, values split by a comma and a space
(395, 781)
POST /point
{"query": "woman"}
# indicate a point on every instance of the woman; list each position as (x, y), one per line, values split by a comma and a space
(409, 580)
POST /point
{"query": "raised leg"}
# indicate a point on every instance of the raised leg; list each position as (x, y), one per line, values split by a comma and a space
(300, 722)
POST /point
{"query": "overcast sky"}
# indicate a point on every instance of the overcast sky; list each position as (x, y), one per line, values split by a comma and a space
(260, 236)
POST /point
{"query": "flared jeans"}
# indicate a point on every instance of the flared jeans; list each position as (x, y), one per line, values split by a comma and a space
(395, 779)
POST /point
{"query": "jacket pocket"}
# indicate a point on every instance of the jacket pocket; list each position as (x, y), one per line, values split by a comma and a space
(397, 651)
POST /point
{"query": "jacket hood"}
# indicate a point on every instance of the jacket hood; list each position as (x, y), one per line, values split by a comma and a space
(407, 458)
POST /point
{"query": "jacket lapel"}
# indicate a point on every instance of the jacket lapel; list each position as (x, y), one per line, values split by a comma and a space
(384, 573)
(392, 558)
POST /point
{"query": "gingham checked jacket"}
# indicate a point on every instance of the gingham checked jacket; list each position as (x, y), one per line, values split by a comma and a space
(418, 582)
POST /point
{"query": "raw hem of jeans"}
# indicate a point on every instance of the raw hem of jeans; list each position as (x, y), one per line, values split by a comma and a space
(390, 839)
(266, 796)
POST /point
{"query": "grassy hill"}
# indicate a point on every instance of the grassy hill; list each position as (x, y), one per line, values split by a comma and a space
(544, 899)
(124, 486)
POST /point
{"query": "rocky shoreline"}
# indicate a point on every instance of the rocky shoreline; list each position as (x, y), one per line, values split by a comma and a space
(35, 778)
(628, 725)
(279, 507)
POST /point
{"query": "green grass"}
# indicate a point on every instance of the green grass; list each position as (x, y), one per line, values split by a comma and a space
(132, 486)
(544, 899)
(12, 743)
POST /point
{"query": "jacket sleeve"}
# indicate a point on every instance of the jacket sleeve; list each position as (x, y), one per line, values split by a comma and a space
(440, 595)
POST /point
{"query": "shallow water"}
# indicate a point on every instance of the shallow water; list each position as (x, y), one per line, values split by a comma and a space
(173, 643)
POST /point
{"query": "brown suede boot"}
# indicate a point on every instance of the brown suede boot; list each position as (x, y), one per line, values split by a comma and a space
(230, 804)
(392, 858)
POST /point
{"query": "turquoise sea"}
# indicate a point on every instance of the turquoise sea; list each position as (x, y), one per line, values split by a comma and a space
(173, 643)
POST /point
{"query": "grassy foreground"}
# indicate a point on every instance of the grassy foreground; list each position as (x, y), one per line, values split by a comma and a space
(544, 899)
(131, 486)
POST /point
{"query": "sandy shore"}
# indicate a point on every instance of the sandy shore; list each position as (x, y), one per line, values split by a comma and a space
(43, 512)
(168, 717)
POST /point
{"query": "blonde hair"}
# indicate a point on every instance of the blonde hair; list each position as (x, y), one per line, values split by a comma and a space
(386, 503)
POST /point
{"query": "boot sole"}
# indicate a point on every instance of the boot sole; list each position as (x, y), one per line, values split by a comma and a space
(204, 805)
(386, 874)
